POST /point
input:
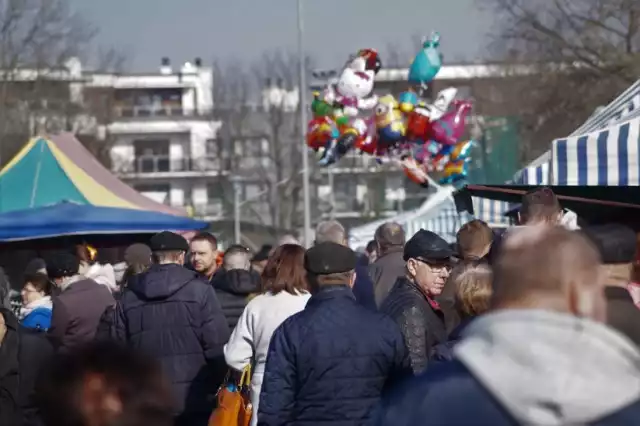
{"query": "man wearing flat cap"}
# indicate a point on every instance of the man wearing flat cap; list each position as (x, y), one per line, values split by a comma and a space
(331, 362)
(171, 313)
(411, 302)
(617, 247)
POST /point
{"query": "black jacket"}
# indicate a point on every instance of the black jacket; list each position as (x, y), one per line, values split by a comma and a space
(622, 313)
(330, 363)
(422, 326)
(171, 314)
(22, 353)
(233, 289)
(384, 273)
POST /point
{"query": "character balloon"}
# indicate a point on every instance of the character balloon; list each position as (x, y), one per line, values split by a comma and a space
(450, 128)
(351, 94)
(427, 62)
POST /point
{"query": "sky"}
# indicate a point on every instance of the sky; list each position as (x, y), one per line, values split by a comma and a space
(147, 30)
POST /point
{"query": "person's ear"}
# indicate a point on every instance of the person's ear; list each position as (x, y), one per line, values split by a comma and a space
(411, 267)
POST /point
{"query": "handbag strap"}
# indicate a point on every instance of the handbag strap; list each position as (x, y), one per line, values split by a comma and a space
(245, 379)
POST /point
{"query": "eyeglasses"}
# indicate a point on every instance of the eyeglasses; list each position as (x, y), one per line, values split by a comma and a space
(438, 266)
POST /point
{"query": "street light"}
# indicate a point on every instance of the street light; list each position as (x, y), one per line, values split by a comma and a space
(303, 125)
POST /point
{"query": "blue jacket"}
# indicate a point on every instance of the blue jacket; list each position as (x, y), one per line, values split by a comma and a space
(172, 315)
(330, 363)
(39, 319)
(448, 395)
(363, 288)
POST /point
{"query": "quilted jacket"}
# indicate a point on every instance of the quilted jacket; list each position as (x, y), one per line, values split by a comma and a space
(234, 288)
(422, 326)
(330, 363)
(169, 313)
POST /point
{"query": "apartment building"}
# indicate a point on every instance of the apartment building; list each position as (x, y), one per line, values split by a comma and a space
(362, 190)
(161, 130)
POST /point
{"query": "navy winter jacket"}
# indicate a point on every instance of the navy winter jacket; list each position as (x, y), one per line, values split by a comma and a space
(363, 288)
(330, 363)
(449, 395)
(171, 314)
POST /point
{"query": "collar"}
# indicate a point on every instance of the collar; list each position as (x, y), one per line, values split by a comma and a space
(432, 302)
(333, 291)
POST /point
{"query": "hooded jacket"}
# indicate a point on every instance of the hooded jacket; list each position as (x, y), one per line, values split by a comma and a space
(171, 314)
(233, 288)
(22, 353)
(527, 367)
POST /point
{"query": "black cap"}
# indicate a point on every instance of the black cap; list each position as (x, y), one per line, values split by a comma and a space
(62, 264)
(329, 258)
(35, 265)
(616, 243)
(428, 246)
(168, 241)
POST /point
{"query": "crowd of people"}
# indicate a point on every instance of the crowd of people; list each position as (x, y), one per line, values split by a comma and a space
(535, 325)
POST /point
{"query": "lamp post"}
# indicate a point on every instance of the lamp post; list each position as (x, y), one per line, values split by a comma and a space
(303, 125)
(236, 210)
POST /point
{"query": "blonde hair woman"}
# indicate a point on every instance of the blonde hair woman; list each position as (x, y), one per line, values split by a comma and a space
(472, 282)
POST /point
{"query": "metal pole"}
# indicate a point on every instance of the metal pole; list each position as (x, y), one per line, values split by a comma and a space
(303, 127)
(236, 213)
(332, 198)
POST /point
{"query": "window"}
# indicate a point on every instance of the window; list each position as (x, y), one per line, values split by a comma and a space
(151, 156)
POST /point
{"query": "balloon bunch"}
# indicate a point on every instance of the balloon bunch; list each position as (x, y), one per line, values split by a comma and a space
(422, 137)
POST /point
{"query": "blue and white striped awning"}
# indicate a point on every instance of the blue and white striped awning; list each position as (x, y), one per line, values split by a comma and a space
(491, 211)
(602, 157)
(438, 214)
(533, 175)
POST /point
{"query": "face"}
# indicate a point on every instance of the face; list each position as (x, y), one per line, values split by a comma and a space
(203, 256)
(30, 294)
(355, 81)
(429, 276)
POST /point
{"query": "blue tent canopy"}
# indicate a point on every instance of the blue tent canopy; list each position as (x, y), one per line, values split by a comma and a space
(79, 219)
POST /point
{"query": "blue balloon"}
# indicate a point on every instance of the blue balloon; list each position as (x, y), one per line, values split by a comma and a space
(427, 62)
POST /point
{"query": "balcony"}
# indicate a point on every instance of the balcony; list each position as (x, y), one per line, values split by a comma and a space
(163, 166)
(210, 211)
(157, 112)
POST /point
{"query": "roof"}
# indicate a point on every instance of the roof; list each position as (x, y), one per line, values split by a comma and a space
(50, 170)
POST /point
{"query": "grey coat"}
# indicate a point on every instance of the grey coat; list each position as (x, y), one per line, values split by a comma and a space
(385, 271)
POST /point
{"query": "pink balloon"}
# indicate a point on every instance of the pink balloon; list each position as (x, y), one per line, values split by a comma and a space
(450, 128)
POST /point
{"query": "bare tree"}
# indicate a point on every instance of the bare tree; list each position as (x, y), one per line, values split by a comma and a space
(37, 37)
(266, 125)
(580, 55)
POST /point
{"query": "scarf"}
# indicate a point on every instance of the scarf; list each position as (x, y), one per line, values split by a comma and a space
(44, 302)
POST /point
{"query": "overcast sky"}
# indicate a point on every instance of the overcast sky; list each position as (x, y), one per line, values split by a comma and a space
(184, 29)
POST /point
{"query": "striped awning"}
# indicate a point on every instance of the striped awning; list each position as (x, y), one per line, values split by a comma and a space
(438, 214)
(625, 108)
(602, 157)
(534, 174)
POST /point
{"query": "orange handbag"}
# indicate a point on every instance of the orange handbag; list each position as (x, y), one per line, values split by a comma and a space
(234, 402)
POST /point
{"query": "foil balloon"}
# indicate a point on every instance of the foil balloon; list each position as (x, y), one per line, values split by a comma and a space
(407, 101)
(450, 128)
(352, 93)
(389, 121)
(418, 125)
(441, 105)
(321, 132)
(415, 171)
(454, 172)
(427, 62)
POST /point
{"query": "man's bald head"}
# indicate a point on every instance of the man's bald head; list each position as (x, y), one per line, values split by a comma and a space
(548, 267)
